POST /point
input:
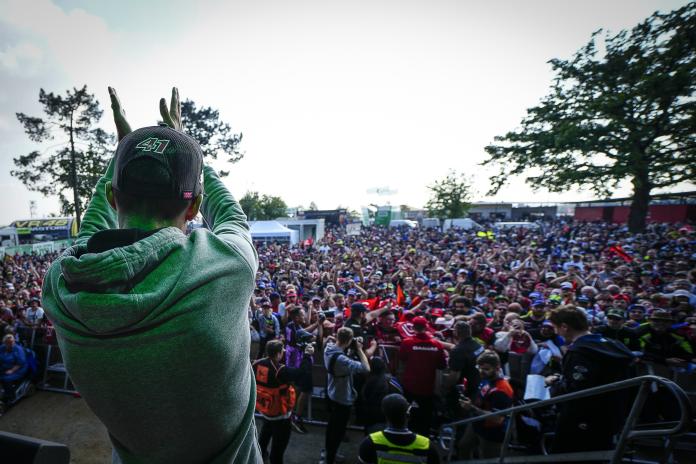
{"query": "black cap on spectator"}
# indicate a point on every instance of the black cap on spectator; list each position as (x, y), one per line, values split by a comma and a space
(357, 308)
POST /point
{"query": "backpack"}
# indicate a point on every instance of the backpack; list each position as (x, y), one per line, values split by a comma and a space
(331, 369)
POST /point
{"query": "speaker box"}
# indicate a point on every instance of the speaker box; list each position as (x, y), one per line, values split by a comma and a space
(18, 449)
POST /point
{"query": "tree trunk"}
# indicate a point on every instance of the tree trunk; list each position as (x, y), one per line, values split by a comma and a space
(640, 203)
(73, 172)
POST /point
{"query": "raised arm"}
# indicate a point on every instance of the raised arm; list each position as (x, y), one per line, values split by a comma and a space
(99, 215)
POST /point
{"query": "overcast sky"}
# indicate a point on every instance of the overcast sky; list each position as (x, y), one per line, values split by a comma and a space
(333, 98)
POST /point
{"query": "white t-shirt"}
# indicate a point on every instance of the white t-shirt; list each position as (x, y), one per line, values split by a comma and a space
(34, 316)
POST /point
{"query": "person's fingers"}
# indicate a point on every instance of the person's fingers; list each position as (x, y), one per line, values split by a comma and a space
(115, 104)
(164, 112)
(178, 104)
(122, 126)
(174, 104)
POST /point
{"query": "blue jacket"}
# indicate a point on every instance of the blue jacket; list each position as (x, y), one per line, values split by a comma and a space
(10, 359)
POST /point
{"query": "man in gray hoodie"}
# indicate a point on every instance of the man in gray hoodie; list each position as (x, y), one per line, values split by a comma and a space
(340, 387)
(152, 323)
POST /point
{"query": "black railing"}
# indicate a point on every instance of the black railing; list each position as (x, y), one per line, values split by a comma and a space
(629, 432)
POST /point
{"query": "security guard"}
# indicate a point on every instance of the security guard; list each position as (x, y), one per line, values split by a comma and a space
(592, 360)
(397, 444)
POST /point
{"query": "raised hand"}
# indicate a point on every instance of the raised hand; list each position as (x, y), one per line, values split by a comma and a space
(172, 115)
(122, 126)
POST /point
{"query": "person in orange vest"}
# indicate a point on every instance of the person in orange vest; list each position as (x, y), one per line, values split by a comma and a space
(275, 397)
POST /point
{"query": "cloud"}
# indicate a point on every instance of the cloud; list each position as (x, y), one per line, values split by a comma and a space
(22, 59)
(51, 39)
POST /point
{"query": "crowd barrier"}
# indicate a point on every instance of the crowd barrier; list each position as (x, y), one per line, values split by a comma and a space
(39, 248)
(638, 387)
(54, 376)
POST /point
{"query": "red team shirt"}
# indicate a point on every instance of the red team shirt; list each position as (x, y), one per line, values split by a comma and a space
(422, 355)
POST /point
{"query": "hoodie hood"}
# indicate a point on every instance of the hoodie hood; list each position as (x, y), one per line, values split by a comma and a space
(118, 290)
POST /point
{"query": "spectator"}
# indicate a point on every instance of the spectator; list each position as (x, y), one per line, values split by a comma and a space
(463, 358)
(482, 334)
(340, 390)
(422, 355)
(494, 394)
(516, 340)
(535, 318)
(297, 337)
(34, 313)
(616, 329)
(379, 384)
(636, 316)
(13, 366)
(400, 274)
(356, 321)
(660, 344)
(268, 324)
(385, 330)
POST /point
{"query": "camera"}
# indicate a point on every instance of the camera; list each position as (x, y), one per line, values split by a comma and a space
(354, 342)
(304, 339)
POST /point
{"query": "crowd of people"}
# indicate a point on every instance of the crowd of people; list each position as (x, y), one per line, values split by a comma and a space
(22, 319)
(456, 321)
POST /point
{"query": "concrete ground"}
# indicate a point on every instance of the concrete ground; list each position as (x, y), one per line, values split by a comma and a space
(65, 419)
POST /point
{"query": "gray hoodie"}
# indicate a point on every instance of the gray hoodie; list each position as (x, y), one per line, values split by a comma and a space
(155, 333)
(340, 385)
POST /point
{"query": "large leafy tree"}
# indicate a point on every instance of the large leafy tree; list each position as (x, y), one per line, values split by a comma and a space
(623, 109)
(262, 207)
(449, 197)
(77, 161)
(214, 136)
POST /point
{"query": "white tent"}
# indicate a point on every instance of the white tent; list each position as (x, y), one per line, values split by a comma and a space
(273, 230)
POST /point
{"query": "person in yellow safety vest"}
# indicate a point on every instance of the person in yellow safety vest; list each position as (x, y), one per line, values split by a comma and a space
(397, 444)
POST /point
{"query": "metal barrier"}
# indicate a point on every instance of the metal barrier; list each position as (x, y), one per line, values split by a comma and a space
(54, 375)
(629, 432)
(679, 375)
(42, 341)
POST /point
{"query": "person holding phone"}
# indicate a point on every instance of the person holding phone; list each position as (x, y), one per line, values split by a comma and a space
(516, 339)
